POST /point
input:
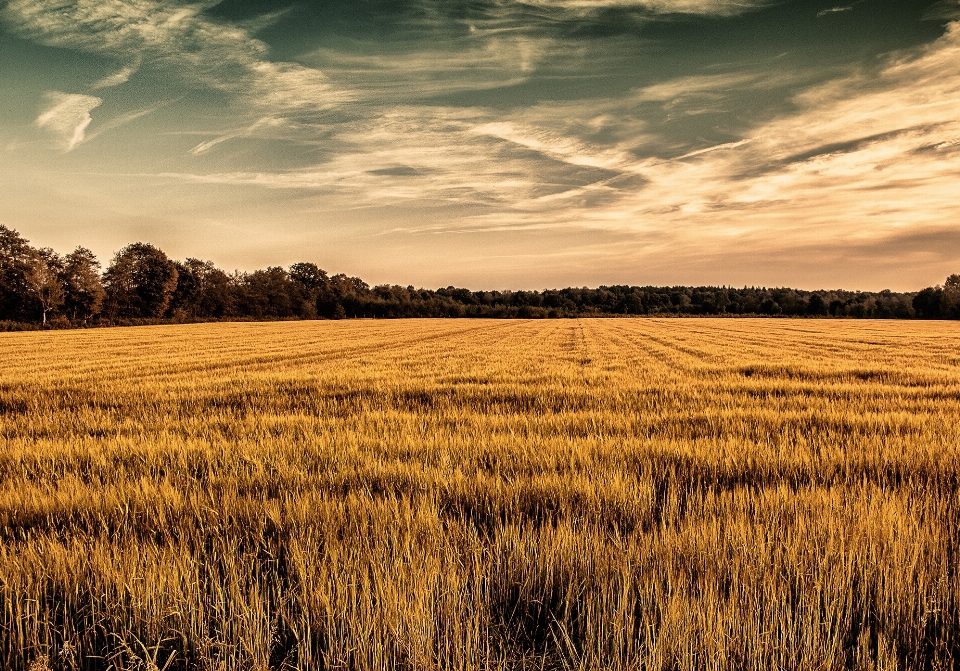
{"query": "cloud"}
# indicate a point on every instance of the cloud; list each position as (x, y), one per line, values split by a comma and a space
(248, 131)
(503, 48)
(432, 156)
(120, 77)
(123, 119)
(689, 94)
(866, 157)
(567, 149)
(484, 59)
(702, 7)
(718, 147)
(67, 115)
(834, 10)
(856, 158)
(442, 162)
(687, 87)
(861, 162)
(180, 38)
(860, 158)
(945, 10)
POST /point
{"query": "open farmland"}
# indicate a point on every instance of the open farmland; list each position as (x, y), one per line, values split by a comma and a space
(615, 494)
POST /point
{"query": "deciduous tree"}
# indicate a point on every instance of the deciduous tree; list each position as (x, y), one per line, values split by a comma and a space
(203, 291)
(929, 303)
(16, 260)
(82, 285)
(44, 281)
(140, 282)
(311, 288)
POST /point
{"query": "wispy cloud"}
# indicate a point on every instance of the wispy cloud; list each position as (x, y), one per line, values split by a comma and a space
(564, 148)
(686, 87)
(703, 7)
(66, 116)
(408, 154)
(179, 37)
(894, 136)
(944, 10)
(718, 147)
(123, 119)
(862, 159)
(485, 58)
(122, 76)
(834, 10)
(247, 131)
(888, 163)
(839, 9)
(514, 118)
(500, 50)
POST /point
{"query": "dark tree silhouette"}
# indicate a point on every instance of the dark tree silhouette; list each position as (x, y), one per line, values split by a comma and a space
(309, 276)
(16, 260)
(929, 303)
(951, 297)
(816, 305)
(266, 294)
(44, 281)
(83, 288)
(139, 282)
(311, 289)
(142, 283)
(203, 291)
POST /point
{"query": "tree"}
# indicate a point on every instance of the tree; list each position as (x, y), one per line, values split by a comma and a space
(140, 282)
(16, 260)
(266, 294)
(311, 288)
(83, 289)
(203, 290)
(951, 297)
(816, 305)
(770, 307)
(929, 303)
(348, 294)
(44, 280)
(309, 276)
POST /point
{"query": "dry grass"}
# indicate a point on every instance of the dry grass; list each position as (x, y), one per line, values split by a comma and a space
(622, 494)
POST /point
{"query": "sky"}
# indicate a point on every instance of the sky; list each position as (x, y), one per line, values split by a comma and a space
(493, 144)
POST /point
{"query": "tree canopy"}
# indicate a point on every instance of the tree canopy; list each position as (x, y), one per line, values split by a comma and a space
(142, 284)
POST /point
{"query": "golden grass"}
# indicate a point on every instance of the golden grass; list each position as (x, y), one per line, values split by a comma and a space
(595, 494)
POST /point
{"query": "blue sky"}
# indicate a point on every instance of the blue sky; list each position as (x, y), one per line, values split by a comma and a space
(493, 143)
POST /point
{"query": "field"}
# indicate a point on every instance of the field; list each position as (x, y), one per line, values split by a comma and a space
(583, 494)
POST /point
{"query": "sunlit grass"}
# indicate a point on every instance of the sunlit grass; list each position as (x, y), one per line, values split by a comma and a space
(596, 494)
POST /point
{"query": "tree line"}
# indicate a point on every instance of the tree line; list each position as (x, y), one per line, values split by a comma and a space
(143, 285)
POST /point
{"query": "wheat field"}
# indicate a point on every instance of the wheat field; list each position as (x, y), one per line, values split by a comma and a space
(452, 494)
